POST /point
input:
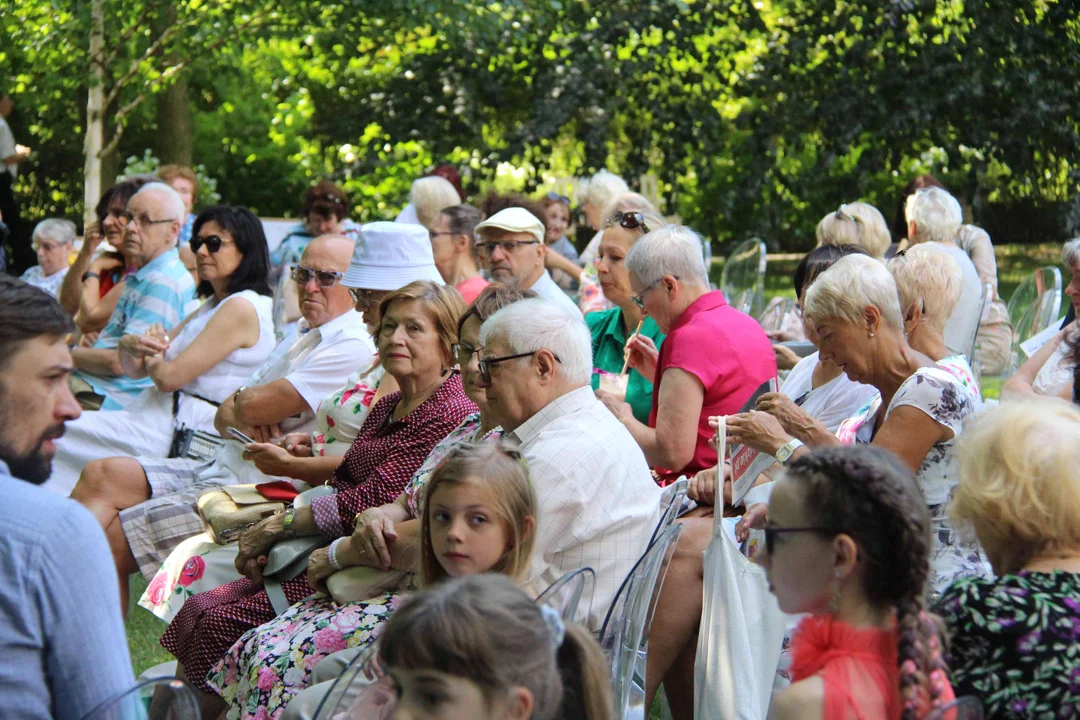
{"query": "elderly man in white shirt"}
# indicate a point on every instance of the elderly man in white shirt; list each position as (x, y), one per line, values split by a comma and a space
(598, 502)
(148, 505)
(511, 244)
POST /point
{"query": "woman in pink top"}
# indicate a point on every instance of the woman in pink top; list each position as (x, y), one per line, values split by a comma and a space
(713, 359)
(452, 245)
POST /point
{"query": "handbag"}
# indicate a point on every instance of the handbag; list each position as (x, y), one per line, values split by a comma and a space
(228, 512)
(362, 583)
(189, 443)
(288, 559)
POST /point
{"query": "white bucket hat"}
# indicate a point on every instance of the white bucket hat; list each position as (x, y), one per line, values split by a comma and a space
(390, 255)
(514, 219)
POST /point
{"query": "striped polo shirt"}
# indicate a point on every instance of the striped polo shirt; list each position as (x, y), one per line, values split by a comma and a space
(162, 291)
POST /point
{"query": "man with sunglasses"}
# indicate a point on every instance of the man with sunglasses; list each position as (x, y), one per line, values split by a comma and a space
(161, 292)
(511, 245)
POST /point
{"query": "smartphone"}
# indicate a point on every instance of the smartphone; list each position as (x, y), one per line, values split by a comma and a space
(239, 436)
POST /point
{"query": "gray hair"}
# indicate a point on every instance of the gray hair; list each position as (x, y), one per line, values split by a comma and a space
(602, 189)
(936, 214)
(926, 273)
(672, 250)
(463, 220)
(1070, 254)
(173, 204)
(632, 202)
(431, 195)
(58, 229)
(537, 324)
(856, 223)
(844, 291)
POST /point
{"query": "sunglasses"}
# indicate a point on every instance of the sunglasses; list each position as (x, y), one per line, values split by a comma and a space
(630, 220)
(324, 278)
(486, 363)
(771, 531)
(213, 243)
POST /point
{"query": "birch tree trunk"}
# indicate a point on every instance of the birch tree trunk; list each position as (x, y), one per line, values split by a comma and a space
(94, 114)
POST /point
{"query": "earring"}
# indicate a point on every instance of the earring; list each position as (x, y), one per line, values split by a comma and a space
(834, 600)
(871, 334)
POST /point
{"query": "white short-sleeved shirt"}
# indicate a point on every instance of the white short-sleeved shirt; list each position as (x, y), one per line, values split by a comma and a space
(960, 328)
(831, 403)
(49, 283)
(598, 502)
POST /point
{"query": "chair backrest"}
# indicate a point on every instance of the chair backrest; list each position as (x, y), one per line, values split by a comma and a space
(359, 675)
(1036, 302)
(566, 593)
(173, 699)
(624, 636)
(743, 277)
(965, 708)
(772, 318)
(670, 503)
(987, 296)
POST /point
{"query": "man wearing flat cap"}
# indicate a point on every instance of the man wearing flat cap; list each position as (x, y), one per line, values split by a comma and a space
(512, 243)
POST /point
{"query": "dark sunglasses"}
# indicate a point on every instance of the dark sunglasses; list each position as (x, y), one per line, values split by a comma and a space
(486, 363)
(213, 243)
(630, 220)
(771, 531)
(324, 278)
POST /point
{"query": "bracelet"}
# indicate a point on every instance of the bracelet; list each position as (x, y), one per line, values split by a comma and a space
(333, 553)
(90, 274)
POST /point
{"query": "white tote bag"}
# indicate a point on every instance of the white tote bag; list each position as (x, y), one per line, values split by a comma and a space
(741, 635)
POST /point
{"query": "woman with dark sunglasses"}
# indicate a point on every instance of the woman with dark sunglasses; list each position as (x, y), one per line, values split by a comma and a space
(199, 363)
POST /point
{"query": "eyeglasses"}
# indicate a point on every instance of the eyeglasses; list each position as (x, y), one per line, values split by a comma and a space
(771, 531)
(213, 243)
(630, 220)
(508, 246)
(143, 221)
(324, 278)
(366, 297)
(47, 247)
(486, 363)
(463, 353)
(639, 300)
(556, 197)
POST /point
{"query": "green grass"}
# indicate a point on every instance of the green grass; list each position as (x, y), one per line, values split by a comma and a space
(1014, 264)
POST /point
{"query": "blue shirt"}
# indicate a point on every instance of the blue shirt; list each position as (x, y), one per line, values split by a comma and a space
(63, 650)
(162, 291)
(184, 238)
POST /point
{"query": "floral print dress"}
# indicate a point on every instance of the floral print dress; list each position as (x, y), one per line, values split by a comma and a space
(272, 663)
(1015, 643)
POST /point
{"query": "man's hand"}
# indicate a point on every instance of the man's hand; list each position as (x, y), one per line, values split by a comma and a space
(255, 542)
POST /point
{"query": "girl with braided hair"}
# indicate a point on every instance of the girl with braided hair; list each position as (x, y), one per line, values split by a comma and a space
(848, 541)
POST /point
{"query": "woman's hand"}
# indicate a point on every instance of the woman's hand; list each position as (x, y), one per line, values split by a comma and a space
(142, 346)
(105, 263)
(643, 356)
(269, 458)
(297, 444)
(619, 408)
(370, 540)
(780, 406)
(753, 519)
(319, 568)
(786, 358)
(255, 542)
(758, 430)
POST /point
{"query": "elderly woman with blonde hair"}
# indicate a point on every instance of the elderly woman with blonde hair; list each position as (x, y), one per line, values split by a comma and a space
(854, 309)
(1013, 638)
(1050, 370)
(856, 223)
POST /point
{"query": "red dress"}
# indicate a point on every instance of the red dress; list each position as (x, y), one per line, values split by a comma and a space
(857, 666)
(375, 470)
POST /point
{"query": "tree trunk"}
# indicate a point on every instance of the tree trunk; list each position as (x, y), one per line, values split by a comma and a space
(175, 132)
(94, 120)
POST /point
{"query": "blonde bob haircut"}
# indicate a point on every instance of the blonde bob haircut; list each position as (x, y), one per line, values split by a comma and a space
(928, 275)
(844, 291)
(1019, 488)
(633, 202)
(431, 195)
(856, 223)
(443, 302)
(936, 214)
(1070, 254)
(498, 468)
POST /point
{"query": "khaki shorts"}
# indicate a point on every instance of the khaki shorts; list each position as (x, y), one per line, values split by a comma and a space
(85, 394)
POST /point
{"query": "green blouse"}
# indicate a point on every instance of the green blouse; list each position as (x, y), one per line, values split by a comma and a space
(608, 341)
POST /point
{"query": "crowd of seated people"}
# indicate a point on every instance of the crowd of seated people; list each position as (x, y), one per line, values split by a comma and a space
(331, 450)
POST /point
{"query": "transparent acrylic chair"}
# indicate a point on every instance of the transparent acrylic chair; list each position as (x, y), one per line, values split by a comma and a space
(743, 277)
(671, 501)
(1033, 308)
(772, 318)
(173, 699)
(363, 676)
(965, 708)
(567, 593)
(624, 637)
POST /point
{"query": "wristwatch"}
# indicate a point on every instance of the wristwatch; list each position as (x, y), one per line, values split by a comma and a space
(90, 274)
(787, 450)
(287, 523)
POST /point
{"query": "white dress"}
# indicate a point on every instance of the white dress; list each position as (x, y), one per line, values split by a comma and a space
(1056, 374)
(831, 403)
(145, 428)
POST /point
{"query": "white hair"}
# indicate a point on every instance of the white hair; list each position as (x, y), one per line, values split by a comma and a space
(845, 290)
(856, 223)
(632, 202)
(538, 324)
(602, 189)
(173, 204)
(58, 229)
(673, 250)
(431, 195)
(926, 273)
(1070, 254)
(936, 214)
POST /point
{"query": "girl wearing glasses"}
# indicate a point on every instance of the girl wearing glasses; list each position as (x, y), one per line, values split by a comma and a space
(848, 541)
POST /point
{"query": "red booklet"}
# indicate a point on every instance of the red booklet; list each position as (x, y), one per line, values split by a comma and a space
(278, 491)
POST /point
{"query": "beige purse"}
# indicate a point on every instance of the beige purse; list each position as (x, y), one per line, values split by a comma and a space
(362, 583)
(229, 511)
